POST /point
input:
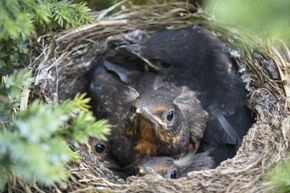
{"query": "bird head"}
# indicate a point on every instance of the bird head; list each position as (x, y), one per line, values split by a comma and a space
(170, 168)
(162, 167)
(166, 121)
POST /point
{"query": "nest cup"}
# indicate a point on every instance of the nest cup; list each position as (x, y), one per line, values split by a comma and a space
(60, 73)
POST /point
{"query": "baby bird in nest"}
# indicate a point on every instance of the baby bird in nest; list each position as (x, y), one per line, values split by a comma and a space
(155, 118)
(166, 121)
(169, 168)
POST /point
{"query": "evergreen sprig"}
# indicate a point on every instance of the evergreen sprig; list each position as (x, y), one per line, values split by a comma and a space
(11, 88)
(33, 142)
(20, 19)
(67, 15)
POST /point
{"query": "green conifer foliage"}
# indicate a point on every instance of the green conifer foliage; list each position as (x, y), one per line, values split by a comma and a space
(20, 19)
(66, 15)
(33, 142)
(33, 137)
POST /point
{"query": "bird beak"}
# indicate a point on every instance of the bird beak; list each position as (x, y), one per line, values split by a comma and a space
(145, 111)
(137, 50)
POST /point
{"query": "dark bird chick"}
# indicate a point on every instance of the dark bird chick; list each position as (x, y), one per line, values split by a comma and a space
(169, 168)
(160, 119)
(111, 100)
(166, 121)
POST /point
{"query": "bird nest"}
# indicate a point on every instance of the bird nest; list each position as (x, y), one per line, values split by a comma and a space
(60, 73)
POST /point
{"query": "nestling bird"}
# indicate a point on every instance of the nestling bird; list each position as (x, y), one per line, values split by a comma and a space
(111, 102)
(155, 118)
(195, 58)
(166, 121)
(167, 167)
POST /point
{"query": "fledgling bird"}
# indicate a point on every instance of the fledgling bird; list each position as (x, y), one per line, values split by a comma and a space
(170, 168)
(166, 121)
(193, 57)
(111, 101)
(155, 118)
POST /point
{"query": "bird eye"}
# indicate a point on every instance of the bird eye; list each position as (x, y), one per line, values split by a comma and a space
(100, 148)
(169, 116)
(136, 171)
(173, 174)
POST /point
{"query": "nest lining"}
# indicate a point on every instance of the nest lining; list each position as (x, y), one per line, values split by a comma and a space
(60, 73)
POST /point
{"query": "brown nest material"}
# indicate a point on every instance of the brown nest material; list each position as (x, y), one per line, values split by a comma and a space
(66, 58)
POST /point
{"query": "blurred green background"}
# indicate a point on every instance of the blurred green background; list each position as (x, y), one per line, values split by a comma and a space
(269, 19)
